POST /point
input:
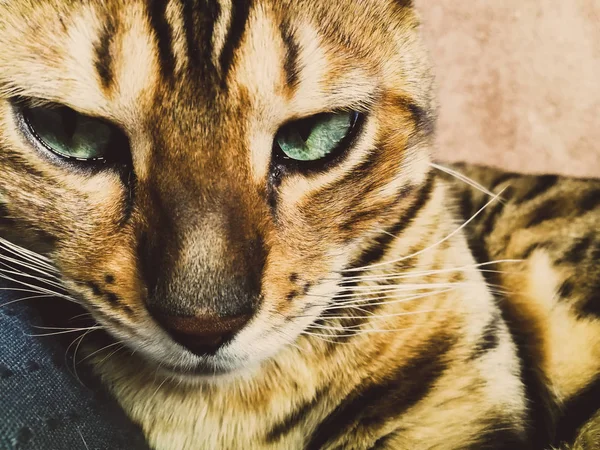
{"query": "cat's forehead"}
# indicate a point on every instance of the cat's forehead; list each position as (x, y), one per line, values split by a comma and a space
(194, 68)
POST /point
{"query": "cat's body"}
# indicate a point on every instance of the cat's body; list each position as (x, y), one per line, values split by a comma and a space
(241, 193)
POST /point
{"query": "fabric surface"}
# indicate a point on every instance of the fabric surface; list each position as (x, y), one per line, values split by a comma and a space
(42, 405)
(519, 83)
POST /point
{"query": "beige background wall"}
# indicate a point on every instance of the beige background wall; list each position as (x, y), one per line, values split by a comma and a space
(519, 82)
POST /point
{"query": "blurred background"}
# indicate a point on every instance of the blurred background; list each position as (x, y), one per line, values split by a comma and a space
(518, 82)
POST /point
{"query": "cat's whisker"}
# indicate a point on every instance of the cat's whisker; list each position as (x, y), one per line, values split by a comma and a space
(465, 179)
(113, 353)
(395, 291)
(354, 333)
(79, 316)
(432, 246)
(74, 330)
(323, 337)
(26, 275)
(290, 341)
(82, 438)
(77, 349)
(364, 298)
(382, 316)
(91, 355)
(28, 255)
(383, 300)
(31, 297)
(39, 289)
(6, 261)
(158, 388)
(79, 340)
(416, 274)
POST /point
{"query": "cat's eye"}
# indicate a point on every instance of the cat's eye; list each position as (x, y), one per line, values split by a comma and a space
(69, 134)
(316, 137)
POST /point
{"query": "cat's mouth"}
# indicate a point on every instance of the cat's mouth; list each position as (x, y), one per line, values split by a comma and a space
(200, 370)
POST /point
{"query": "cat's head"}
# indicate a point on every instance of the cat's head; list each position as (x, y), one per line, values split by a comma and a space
(204, 172)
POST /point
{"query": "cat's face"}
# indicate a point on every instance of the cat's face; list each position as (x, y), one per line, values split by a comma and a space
(204, 174)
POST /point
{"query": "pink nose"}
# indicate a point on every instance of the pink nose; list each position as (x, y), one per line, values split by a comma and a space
(203, 334)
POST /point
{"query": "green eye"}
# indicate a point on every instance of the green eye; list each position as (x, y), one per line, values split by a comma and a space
(316, 137)
(68, 133)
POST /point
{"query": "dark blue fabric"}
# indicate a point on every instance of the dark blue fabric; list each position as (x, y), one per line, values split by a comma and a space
(42, 405)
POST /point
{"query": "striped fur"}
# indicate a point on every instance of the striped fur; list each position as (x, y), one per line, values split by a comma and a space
(372, 324)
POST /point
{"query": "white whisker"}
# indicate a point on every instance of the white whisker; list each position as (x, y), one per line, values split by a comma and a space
(377, 316)
(463, 178)
(39, 289)
(74, 330)
(416, 274)
(25, 264)
(91, 355)
(26, 275)
(82, 438)
(449, 236)
(31, 297)
(32, 257)
(393, 300)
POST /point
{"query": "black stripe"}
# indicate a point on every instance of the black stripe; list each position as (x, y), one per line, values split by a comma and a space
(424, 121)
(164, 37)
(371, 405)
(113, 298)
(293, 419)
(377, 250)
(578, 251)
(489, 339)
(566, 289)
(129, 180)
(17, 163)
(501, 436)
(533, 247)
(540, 400)
(550, 209)
(542, 184)
(501, 179)
(291, 61)
(590, 200)
(591, 307)
(240, 11)
(384, 442)
(373, 211)
(354, 319)
(490, 217)
(466, 203)
(103, 57)
(576, 412)
(199, 19)
(362, 172)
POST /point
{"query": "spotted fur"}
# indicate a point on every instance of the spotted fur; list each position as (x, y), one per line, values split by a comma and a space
(372, 323)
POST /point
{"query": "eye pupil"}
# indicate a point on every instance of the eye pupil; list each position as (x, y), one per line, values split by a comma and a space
(305, 128)
(69, 120)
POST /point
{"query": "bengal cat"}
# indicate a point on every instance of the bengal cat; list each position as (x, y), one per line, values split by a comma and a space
(241, 192)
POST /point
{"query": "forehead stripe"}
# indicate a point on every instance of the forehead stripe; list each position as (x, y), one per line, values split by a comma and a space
(164, 37)
(199, 18)
(240, 12)
(103, 56)
(291, 62)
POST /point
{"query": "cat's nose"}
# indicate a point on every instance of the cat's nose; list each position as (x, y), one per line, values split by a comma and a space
(203, 334)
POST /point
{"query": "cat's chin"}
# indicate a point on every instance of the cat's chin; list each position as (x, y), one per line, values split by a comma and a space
(206, 373)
